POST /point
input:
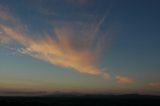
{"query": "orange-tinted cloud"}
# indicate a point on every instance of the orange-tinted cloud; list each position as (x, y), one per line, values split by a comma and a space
(154, 85)
(150, 88)
(6, 15)
(124, 79)
(63, 51)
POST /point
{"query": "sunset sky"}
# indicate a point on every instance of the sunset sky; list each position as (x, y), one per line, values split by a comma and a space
(79, 46)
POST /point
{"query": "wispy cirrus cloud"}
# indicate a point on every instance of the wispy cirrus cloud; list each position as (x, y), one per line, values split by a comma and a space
(152, 88)
(79, 2)
(6, 15)
(59, 48)
(4, 40)
(154, 85)
(124, 80)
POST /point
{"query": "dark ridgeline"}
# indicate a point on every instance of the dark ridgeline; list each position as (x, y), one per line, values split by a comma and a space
(82, 100)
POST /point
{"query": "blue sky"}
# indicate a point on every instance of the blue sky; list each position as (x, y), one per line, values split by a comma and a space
(86, 46)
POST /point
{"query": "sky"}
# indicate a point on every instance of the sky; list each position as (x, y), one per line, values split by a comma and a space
(79, 46)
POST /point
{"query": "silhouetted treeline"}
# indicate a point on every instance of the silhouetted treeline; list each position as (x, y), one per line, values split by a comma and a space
(82, 100)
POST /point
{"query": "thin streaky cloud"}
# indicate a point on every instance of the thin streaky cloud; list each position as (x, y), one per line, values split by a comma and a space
(60, 51)
(124, 80)
(155, 85)
(152, 88)
(6, 15)
(79, 2)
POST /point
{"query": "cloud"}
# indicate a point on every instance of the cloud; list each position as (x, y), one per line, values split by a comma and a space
(154, 85)
(152, 88)
(6, 15)
(59, 48)
(124, 80)
(19, 93)
(79, 2)
(3, 39)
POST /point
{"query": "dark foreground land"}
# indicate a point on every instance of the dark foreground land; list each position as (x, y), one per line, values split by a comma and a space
(85, 100)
